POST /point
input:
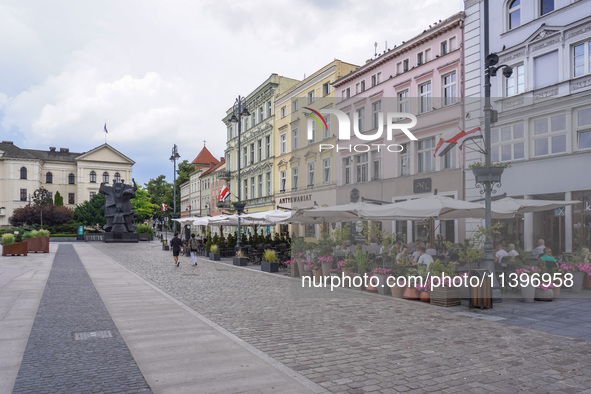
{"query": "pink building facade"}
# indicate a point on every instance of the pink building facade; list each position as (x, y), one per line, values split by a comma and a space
(422, 77)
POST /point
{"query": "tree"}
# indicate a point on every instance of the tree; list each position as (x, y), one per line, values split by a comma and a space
(58, 200)
(142, 205)
(42, 197)
(160, 191)
(184, 171)
(92, 213)
(31, 214)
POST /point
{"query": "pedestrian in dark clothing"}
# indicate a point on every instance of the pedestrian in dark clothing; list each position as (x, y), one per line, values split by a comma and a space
(176, 244)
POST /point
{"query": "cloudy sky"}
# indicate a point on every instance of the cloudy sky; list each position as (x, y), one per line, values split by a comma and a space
(164, 72)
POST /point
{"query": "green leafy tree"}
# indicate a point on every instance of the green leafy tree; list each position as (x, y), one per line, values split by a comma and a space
(92, 213)
(184, 170)
(160, 191)
(142, 204)
(58, 200)
(42, 197)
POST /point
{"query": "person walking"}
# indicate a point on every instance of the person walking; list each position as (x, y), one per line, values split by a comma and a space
(176, 244)
(193, 246)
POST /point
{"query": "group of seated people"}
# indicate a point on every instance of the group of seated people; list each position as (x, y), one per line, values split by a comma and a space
(422, 253)
(541, 252)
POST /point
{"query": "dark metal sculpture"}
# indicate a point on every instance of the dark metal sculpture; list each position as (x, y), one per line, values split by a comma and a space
(118, 209)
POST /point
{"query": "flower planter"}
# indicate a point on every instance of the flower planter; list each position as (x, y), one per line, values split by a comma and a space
(410, 293)
(488, 174)
(326, 266)
(383, 288)
(587, 282)
(145, 236)
(447, 296)
(578, 279)
(544, 295)
(269, 267)
(15, 249)
(425, 296)
(371, 289)
(397, 291)
(556, 292)
(317, 276)
(214, 256)
(302, 268)
(528, 293)
(240, 261)
(38, 244)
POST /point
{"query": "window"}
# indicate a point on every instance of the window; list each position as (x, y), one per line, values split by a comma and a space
(245, 183)
(283, 111)
(361, 167)
(310, 230)
(584, 128)
(549, 135)
(452, 44)
(49, 177)
(92, 177)
(252, 187)
(50, 195)
(326, 132)
(449, 159)
(516, 83)
(348, 93)
(269, 109)
(582, 59)
(514, 14)
(283, 139)
(362, 86)
(326, 89)
(507, 143)
(311, 170)
(268, 183)
(71, 179)
(420, 58)
(260, 182)
(425, 158)
(294, 139)
(261, 113)
(252, 160)
(405, 65)
(71, 199)
(399, 68)
(546, 6)
(360, 114)
(376, 108)
(294, 105)
(311, 97)
(450, 93)
(403, 101)
(347, 170)
(425, 94)
(427, 55)
(326, 170)
(377, 165)
(244, 156)
(312, 127)
(268, 144)
(443, 48)
(23, 196)
(546, 69)
(105, 177)
(92, 194)
(117, 177)
(23, 172)
(294, 178)
(282, 181)
(260, 148)
(357, 88)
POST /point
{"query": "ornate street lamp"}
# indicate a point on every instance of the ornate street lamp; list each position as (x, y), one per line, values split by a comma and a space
(238, 111)
(174, 157)
(491, 175)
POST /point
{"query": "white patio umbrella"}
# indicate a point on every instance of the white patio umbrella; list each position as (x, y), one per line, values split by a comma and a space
(439, 207)
(201, 221)
(338, 213)
(508, 207)
(187, 220)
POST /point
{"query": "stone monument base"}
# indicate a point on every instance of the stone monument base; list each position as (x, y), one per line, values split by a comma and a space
(121, 237)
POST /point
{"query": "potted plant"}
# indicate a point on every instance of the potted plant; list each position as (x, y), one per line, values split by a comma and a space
(37, 241)
(411, 292)
(269, 263)
(525, 276)
(240, 259)
(213, 253)
(316, 271)
(445, 293)
(489, 172)
(208, 246)
(382, 275)
(325, 264)
(146, 233)
(424, 291)
(11, 245)
(398, 271)
(544, 292)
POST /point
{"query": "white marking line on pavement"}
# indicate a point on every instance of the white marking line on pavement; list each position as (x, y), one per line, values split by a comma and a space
(483, 317)
(263, 356)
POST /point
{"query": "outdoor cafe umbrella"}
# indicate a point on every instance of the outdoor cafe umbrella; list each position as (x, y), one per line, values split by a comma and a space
(508, 207)
(338, 213)
(187, 220)
(439, 207)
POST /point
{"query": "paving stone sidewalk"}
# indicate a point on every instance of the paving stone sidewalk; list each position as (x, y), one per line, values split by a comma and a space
(354, 342)
(74, 346)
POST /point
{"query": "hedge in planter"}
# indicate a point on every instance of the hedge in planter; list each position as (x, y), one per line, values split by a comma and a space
(9, 247)
(37, 241)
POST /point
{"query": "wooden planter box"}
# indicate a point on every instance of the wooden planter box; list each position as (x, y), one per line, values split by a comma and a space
(445, 296)
(38, 244)
(15, 249)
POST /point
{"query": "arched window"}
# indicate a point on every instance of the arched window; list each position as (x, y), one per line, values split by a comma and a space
(49, 177)
(92, 177)
(117, 177)
(514, 13)
(23, 172)
(105, 177)
(71, 179)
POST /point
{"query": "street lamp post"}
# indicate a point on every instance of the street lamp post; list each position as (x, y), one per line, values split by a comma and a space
(174, 157)
(238, 111)
(490, 70)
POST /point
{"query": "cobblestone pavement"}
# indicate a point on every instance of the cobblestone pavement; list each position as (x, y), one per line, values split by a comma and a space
(58, 360)
(355, 342)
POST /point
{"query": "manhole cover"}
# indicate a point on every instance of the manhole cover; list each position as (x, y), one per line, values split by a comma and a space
(81, 336)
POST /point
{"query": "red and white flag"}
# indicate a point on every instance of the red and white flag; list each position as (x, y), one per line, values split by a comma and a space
(463, 136)
(224, 193)
(164, 207)
(442, 147)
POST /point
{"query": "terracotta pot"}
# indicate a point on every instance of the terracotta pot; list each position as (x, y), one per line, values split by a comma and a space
(371, 289)
(587, 282)
(397, 291)
(425, 296)
(317, 275)
(556, 291)
(410, 293)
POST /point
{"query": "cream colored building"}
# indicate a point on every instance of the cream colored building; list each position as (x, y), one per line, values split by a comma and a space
(77, 176)
(304, 175)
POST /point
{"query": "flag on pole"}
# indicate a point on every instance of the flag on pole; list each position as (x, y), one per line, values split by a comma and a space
(224, 193)
(164, 207)
(463, 136)
(443, 147)
(106, 131)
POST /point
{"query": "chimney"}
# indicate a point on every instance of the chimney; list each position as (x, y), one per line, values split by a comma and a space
(52, 148)
(7, 142)
(64, 150)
